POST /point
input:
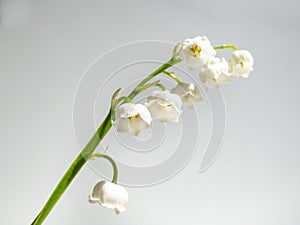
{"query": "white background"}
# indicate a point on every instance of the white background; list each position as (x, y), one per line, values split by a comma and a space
(46, 45)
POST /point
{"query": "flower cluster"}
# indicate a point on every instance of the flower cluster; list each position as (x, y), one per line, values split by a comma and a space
(214, 71)
(164, 105)
(167, 105)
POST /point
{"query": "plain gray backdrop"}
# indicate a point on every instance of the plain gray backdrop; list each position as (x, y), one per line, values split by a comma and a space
(46, 45)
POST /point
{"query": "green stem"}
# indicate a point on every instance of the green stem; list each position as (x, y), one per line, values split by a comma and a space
(161, 86)
(170, 74)
(226, 46)
(113, 163)
(124, 99)
(147, 86)
(159, 70)
(88, 150)
(74, 169)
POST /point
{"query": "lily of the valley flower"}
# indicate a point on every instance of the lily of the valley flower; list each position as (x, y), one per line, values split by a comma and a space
(132, 118)
(110, 195)
(167, 107)
(189, 93)
(196, 52)
(241, 63)
(216, 73)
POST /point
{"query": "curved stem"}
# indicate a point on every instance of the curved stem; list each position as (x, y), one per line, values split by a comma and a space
(113, 163)
(161, 86)
(226, 46)
(74, 169)
(88, 150)
(170, 74)
(147, 86)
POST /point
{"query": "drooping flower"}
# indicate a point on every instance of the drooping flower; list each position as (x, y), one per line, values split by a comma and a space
(167, 107)
(189, 93)
(216, 73)
(196, 52)
(110, 195)
(241, 63)
(132, 118)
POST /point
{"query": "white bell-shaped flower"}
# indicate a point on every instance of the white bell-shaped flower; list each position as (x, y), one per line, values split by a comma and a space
(189, 93)
(110, 195)
(241, 63)
(167, 107)
(216, 73)
(196, 52)
(132, 118)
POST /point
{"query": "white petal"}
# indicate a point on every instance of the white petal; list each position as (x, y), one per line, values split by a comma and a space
(195, 62)
(123, 125)
(202, 57)
(132, 118)
(179, 48)
(137, 125)
(165, 113)
(189, 102)
(207, 73)
(125, 110)
(129, 109)
(166, 98)
(223, 78)
(110, 195)
(180, 89)
(241, 63)
(216, 73)
(144, 113)
(189, 93)
(211, 84)
(97, 191)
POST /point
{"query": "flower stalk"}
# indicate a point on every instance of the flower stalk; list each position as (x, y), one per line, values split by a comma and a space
(88, 150)
(159, 70)
(197, 53)
(113, 163)
(73, 170)
(226, 47)
(170, 74)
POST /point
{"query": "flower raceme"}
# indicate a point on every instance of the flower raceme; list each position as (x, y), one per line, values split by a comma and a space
(110, 195)
(132, 118)
(165, 106)
(189, 93)
(198, 53)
